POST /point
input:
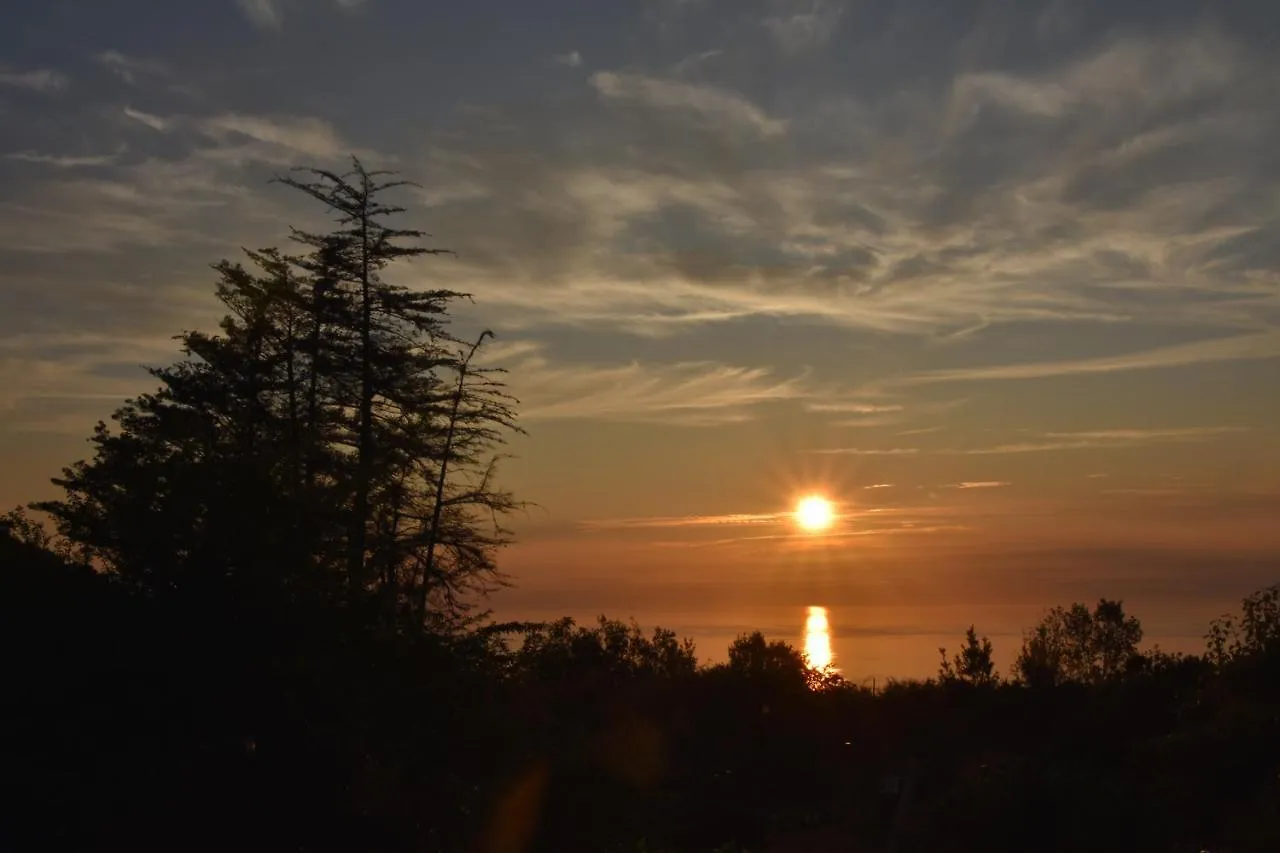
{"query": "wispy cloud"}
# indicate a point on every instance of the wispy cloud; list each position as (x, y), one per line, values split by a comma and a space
(197, 203)
(1176, 434)
(40, 80)
(921, 430)
(696, 218)
(152, 121)
(131, 68)
(804, 26)
(718, 105)
(1259, 345)
(862, 413)
(243, 137)
(1104, 439)
(979, 484)
(688, 393)
(879, 486)
(832, 539)
(1144, 71)
(851, 522)
(55, 383)
(734, 519)
(64, 161)
(854, 408)
(269, 14)
(868, 451)
(297, 135)
(263, 13)
(83, 214)
(572, 59)
(1050, 441)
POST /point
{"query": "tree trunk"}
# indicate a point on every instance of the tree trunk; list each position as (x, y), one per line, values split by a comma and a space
(364, 458)
(442, 478)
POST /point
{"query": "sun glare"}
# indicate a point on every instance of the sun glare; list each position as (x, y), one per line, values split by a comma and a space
(817, 639)
(815, 513)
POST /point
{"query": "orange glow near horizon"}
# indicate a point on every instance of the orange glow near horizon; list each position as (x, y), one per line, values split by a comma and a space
(817, 639)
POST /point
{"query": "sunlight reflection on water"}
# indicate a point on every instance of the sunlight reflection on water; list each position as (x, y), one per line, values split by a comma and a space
(817, 639)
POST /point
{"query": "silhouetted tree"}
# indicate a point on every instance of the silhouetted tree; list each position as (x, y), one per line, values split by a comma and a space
(1255, 632)
(1076, 644)
(332, 437)
(453, 555)
(972, 664)
(179, 492)
(617, 649)
(386, 325)
(18, 525)
(776, 663)
(422, 470)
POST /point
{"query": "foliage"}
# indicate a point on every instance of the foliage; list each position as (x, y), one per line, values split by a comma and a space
(1255, 633)
(314, 732)
(972, 664)
(332, 440)
(613, 648)
(776, 663)
(1075, 644)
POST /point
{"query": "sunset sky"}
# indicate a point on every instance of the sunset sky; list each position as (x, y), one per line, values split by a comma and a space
(999, 279)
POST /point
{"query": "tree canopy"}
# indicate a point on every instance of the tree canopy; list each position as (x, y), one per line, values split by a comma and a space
(332, 439)
(1075, 644)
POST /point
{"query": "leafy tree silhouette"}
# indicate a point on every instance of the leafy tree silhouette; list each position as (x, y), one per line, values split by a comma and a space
(613, 648)
(972, 664)
(1075, 644)
(775, 663)
(1255, 633)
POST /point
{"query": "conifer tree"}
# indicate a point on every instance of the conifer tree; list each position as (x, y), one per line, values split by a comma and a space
(331, 438)
(417, 415)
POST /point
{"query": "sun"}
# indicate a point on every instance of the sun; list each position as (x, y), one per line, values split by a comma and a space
(815, 513)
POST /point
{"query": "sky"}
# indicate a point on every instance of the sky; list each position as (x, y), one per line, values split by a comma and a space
(1000, 279)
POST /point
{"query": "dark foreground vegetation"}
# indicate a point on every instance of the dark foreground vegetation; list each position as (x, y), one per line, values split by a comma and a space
(248, 625)
(216, 724)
